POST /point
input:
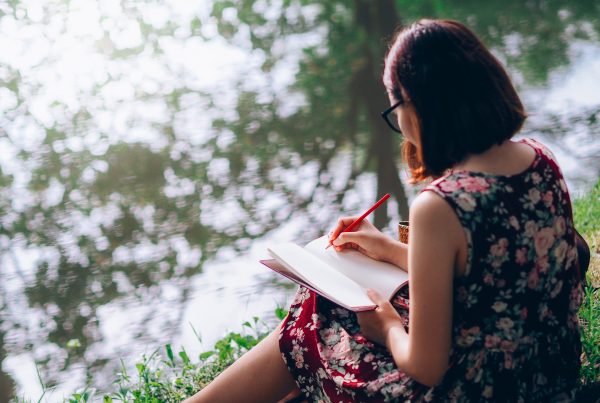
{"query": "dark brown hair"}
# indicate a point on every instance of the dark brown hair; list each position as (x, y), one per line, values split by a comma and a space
(462, 96)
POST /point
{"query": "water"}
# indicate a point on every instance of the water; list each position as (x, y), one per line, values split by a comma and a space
(149, 152)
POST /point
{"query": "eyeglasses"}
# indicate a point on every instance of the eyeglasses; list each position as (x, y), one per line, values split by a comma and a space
(393, 121)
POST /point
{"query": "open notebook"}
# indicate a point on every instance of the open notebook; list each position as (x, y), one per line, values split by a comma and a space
(341, 277)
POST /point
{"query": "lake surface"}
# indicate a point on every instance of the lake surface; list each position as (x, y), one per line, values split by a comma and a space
(149, 152)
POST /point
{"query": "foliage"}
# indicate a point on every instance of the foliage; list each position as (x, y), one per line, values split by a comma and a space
(589, 315)
(586, 213)
(175, 377)
(171, 377)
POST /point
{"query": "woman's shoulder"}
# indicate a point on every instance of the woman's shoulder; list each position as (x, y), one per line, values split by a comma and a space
(546, 165)
(539, 147)
(432, 213)
(545, 158)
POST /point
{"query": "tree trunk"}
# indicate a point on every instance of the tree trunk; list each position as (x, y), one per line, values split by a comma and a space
(379, 20)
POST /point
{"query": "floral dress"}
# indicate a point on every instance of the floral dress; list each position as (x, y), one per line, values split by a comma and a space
(515, 331)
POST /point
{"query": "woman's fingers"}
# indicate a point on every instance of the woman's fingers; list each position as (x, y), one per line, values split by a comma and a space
(349, 237)
(342, 223)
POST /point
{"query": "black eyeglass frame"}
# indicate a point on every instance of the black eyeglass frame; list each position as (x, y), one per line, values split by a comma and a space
(385, 115)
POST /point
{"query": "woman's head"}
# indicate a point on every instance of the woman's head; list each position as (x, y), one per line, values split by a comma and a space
(461, 97)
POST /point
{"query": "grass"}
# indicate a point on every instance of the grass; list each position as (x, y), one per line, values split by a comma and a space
(168, 377)
(586, 214)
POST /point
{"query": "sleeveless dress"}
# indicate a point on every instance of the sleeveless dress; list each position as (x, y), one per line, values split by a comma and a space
(515, 330)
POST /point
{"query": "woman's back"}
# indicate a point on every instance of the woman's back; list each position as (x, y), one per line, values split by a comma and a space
(515, 329)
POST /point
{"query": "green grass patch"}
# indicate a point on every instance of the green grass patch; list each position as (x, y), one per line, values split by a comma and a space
(170, 377)
(586, 213)
(589, 315)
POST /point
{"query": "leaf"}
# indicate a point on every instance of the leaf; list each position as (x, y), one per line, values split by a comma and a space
(184, 357)
(196, 333)
(140, 367)
(170, 353)
(242, 342)
(205, 355)
(280, 313)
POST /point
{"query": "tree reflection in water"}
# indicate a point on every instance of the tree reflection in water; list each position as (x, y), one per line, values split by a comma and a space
(140, 172)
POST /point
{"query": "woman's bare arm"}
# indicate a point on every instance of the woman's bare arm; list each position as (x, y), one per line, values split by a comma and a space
(434, 240)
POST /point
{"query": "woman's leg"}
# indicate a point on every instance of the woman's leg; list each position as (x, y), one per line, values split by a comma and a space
(260, 375)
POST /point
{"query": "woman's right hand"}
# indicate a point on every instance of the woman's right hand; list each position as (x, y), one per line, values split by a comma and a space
(365, 238)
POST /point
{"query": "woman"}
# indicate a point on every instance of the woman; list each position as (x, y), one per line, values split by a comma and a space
(493, 275)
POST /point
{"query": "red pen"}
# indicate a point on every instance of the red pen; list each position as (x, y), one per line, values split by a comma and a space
(362, 217)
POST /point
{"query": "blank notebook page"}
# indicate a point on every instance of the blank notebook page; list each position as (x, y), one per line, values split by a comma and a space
(381, 276)
(320, 275)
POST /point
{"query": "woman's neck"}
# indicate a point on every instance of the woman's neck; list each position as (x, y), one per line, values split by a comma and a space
(508, 158)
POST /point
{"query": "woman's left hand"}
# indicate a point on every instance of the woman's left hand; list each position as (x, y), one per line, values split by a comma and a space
(375, 325)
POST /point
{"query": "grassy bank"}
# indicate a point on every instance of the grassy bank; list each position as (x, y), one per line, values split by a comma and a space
(169, 375)
(587, 220)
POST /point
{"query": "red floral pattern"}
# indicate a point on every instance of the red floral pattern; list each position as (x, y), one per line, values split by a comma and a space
(515, 326)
